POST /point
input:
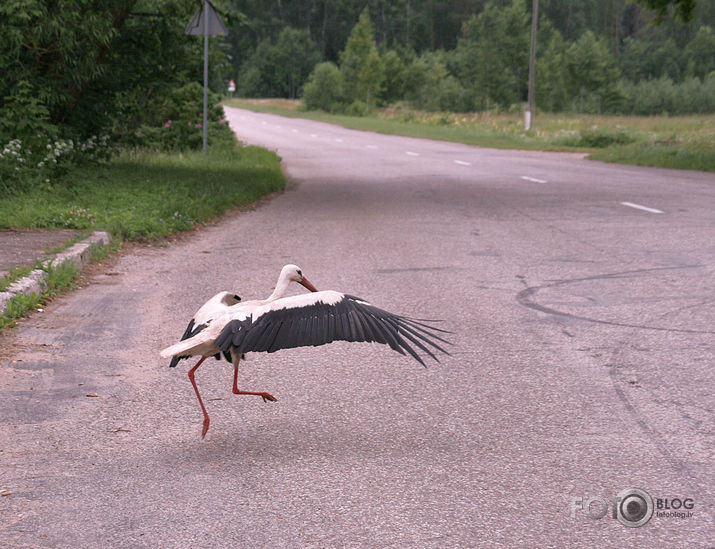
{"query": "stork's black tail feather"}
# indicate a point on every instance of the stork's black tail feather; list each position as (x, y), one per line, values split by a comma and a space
(189, 332)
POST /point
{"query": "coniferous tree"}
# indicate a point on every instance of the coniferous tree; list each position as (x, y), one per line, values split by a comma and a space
(552, 76)
(360, 63)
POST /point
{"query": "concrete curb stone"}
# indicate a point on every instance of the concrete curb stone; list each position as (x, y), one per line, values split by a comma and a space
(34, 282)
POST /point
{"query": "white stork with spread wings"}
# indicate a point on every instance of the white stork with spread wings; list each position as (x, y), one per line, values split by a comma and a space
(297, 321)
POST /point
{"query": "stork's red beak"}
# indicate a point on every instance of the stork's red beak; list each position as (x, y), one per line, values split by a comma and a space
(305, 282)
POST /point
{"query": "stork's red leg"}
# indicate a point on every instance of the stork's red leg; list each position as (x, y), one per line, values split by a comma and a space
(236, 391)
(203, 408)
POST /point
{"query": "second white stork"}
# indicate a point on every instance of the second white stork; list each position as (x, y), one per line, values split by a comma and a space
(313, 319)
(211, 309)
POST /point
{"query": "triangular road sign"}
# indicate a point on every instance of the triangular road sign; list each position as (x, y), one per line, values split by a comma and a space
(216, 26)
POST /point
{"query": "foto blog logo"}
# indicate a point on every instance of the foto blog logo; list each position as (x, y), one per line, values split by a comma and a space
(632, 507)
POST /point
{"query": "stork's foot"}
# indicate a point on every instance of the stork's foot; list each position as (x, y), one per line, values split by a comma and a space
(265, 396)
(206, 426)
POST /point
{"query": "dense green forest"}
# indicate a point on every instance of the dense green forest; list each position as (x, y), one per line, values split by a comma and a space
(83, 70)
(592, 55)
(433, 24)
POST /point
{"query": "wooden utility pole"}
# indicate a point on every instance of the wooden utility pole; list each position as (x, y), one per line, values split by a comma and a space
(529, 114)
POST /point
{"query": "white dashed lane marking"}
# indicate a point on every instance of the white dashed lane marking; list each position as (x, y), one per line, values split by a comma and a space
(644, 208)
(465, 163)
(532, 179)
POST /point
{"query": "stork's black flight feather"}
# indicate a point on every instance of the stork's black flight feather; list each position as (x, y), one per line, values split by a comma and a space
(350, 319)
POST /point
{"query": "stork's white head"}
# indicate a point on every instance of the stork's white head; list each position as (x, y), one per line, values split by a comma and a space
(294, 273)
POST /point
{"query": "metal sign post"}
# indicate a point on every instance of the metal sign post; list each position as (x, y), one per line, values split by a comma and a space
(206, 77)
(206, 22)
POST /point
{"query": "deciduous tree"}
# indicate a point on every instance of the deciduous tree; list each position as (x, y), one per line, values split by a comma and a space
(592, 72)
(493, 54)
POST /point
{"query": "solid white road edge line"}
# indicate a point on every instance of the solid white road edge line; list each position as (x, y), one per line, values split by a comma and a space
(533, 179)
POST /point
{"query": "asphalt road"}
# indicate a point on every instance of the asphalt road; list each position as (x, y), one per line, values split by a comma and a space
(582, 364)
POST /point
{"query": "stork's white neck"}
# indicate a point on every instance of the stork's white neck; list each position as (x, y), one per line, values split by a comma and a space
(281, 288)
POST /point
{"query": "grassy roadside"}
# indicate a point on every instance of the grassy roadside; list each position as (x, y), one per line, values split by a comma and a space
(682, 142)
(147, 195)
(57, 281)
(136, 196)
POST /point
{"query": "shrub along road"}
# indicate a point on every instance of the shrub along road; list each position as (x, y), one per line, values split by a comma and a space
(580, 297)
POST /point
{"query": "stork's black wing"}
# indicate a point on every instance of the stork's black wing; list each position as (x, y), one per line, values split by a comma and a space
(350, 319)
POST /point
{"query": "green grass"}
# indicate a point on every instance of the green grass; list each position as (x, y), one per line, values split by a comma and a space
(682, 142)
(57, 280)
(17, 307)
(147, 195)
(54, 250)
(98, 252)
(676, 156)
(139, 195)
(12, 275)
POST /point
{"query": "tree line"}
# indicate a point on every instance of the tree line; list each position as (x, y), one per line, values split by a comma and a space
(78, 69)
(593, 56)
